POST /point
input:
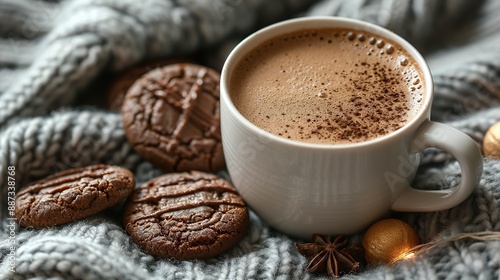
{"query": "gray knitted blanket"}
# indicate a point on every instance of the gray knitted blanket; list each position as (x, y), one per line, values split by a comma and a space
(55, 57)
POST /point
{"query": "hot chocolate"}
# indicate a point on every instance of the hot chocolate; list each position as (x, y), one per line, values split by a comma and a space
(328, 86)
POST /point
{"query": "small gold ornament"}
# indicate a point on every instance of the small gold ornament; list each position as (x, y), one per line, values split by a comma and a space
(388, 241)
(491, 142)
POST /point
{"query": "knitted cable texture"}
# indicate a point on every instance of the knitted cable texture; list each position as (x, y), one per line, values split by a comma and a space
(51, 52)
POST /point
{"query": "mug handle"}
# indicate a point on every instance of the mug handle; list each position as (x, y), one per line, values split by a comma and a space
(468, 155)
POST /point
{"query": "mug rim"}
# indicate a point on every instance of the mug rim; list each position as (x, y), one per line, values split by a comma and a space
(302, 23)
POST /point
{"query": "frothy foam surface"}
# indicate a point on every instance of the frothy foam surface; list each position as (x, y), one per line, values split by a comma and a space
(328, 86)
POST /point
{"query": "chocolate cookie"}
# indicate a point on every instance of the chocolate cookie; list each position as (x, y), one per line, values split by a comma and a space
(192, 215)
(121, 84)
(171, 118)
(72, 195)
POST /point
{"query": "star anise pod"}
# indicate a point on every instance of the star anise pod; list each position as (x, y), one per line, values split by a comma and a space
(327, 256)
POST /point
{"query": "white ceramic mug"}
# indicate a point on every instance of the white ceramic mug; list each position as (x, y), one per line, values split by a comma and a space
(302, 189)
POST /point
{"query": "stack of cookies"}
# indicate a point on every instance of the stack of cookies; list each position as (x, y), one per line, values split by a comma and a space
(170, 114)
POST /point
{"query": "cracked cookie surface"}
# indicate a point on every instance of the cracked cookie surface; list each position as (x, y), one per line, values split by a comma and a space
(123, 81)
(72, 195)
(171, 118)
(190, 215)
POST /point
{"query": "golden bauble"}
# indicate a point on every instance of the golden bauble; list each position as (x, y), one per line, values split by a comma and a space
(491, 142)
(387, 240)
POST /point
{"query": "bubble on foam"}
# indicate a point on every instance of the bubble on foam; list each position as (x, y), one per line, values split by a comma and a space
(389, 49)
(350, 36)
(372, 41)
(404, 61)
(322, 94)
(361, 37)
